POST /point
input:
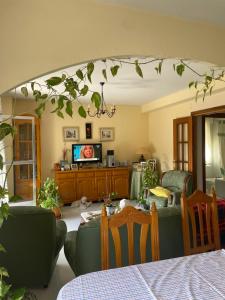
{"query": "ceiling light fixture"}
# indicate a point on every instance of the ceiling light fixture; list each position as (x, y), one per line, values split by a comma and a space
(102, 110)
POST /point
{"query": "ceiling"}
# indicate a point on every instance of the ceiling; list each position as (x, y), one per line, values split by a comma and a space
(127, 88)
(211, 11)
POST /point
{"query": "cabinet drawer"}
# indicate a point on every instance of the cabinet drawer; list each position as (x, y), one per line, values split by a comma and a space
(120, 172)
(85, 174)
(64, 175)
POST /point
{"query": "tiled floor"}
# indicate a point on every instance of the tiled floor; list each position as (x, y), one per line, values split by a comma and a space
(63, 273)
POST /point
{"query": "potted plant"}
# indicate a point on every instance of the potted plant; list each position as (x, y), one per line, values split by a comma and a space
(48, 197)
(108, 202)
(150, 180)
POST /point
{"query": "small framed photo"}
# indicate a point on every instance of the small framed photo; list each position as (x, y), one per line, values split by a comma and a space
(107, 134)
(88, 130)
(74, 166)
(71, 134)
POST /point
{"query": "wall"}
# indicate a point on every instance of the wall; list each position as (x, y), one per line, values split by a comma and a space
(131, 132)
(40, 36)
(160, 123)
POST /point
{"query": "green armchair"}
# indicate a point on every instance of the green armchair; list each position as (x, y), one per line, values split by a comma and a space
(32, 238)
(175, 181)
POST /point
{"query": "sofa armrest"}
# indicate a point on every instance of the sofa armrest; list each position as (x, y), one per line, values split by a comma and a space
(174, 199)
(70, 249)
(61, 231)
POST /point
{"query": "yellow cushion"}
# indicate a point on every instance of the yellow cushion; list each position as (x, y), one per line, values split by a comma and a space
(160, 192)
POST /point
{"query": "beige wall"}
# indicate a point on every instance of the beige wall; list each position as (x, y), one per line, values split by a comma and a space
(40, 36)
(131, 131)
(160, 122)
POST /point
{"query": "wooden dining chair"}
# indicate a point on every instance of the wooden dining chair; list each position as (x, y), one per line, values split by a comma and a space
(129, 216)
(200, 223)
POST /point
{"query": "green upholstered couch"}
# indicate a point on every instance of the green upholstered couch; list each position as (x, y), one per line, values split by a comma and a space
(32, 238)
(176, 181)
(83, 251)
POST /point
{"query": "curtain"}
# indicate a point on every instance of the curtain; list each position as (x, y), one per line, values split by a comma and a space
(221, 136)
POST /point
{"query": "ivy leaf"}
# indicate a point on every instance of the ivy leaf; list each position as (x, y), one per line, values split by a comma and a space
(5, 129)
(191, 84)
(53, 100)
(180, 69)
(82, 112)
(2, 249)
(60, 114)
(18, 294)
(84, 90)
(15, 198)
(138, 69)
(210, 90)
(69, 108)
(32, 85)
(73, 94)
(53, 81)
(196, 96)
(104, 74)
(196, 84)
(44, 96)
(24, 91)
(3, 272)
(114, 70)
(1, 162)
(61, 101)
(79, 74)
(90, 69)
(37, 94)
(96, 99)
(40, 109)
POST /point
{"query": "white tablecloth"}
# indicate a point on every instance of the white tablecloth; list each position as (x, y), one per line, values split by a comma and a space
(197, 277)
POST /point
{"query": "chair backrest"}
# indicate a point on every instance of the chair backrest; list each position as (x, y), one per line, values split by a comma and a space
(129, 216)
(200, 223)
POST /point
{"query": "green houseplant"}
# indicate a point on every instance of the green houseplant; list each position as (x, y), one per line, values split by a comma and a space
(48, 196)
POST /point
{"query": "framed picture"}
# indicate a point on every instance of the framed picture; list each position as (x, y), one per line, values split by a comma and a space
(107, 134)
(88, 130)
(71, 134)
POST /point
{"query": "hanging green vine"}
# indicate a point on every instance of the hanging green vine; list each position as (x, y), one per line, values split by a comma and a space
(78, 85)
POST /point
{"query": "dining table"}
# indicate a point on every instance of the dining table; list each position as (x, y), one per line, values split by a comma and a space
(199, 276)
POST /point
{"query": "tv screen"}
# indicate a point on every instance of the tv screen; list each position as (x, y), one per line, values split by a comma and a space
(86, 153)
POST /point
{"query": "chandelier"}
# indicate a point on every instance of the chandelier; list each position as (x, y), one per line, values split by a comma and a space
(102, 110)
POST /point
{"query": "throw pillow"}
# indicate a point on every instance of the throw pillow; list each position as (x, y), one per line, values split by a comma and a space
(161, 192)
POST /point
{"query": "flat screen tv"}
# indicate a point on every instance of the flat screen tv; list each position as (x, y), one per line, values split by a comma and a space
(86, 153)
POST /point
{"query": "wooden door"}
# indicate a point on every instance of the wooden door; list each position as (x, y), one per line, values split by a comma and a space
(182, 144)
(120, 183)
(22, 151)
(102, 183)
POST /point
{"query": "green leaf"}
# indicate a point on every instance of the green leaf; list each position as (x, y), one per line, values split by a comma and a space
(32, 85)
(196, 84)
(53, 100)
(4, 289)
(191, 84)
(114, 70)
(180, 69)
(53, 81)
(138, 69)
(69, 108)
(36, 94)
(96, 99)
(44, 96)
(160, 66)
(208, 78)
(82, 112)
(61, 100)
(60, 114)
(15, 198)
(1, 162)
(196, 96)
(210, 90)
(104, 74)
(40, 109)
(3, 272)
(79, 74)
(6, 129)
(24, 91)
(2, 249)
(84, 90)
(73, 94)
(90, 69)
(18, 294)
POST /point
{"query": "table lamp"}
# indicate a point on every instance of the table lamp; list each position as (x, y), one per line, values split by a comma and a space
(142, 151)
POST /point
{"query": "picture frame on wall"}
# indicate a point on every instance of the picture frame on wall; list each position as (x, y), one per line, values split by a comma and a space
(71, 134)
(88, 130)
(107, 134)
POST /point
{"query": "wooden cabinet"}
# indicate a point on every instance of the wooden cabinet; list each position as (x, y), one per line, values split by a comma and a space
(92, 183)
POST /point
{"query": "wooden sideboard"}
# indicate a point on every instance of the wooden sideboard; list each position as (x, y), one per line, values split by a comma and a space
(94, 183)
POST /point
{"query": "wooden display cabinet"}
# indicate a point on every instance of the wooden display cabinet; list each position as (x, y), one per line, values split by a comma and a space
(93, 183)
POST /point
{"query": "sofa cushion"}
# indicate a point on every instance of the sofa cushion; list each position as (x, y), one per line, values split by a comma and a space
(160, 191)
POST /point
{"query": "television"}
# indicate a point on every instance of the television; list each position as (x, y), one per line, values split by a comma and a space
(86, 153)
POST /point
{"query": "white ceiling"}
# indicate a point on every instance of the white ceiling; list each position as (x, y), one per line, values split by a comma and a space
(212, 11)
(129, 89)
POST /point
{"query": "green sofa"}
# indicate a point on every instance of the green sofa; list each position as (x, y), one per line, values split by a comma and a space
(83, 249)
(32, 238)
